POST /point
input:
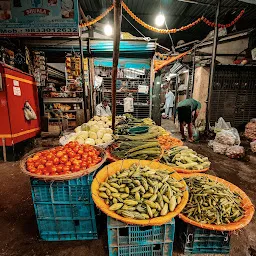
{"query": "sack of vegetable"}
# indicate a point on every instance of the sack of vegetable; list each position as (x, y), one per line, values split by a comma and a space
(235, 152)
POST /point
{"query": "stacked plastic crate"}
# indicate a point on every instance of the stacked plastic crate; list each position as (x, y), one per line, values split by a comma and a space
(203, 241)
(128, 240)
(64, 210)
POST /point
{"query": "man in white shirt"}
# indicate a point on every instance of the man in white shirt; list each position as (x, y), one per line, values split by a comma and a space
(103, 108)
(168, 106)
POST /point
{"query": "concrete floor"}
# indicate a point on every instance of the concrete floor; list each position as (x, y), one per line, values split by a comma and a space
(18, 229)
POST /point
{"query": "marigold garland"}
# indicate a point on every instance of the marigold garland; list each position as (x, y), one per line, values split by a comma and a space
(162, 31)
(90, 23)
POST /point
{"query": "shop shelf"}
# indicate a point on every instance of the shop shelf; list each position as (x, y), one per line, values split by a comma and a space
(120, 233)
(64, 210)
(203, 241)
(160, 249)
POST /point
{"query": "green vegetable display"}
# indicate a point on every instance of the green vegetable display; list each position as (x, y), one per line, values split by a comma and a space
(185, 158)
(141, 193)
(211, 202)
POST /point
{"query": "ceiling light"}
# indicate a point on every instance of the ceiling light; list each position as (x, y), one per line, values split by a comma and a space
(160, 19)
(108, 30)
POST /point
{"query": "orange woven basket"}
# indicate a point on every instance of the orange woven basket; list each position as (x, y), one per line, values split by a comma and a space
(180, 170)
(246, 204)
(70, 176)
(124, 164)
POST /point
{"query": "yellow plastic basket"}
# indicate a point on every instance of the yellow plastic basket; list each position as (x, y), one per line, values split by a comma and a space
(124, 164)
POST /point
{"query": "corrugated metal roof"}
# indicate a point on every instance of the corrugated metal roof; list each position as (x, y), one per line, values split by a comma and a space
(177, 14)
(131, 48)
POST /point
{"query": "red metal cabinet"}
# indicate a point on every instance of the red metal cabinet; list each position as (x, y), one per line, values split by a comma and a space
(17, 87)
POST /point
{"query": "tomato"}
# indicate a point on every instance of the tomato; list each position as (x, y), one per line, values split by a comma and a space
(35, 158)
(43, 161)
(75, 168)
(50, 156)
(49, 163)
(63, 160)
(37, 163)
(78, 157)
(59, 154)
(46, 173)
(30, 160)
(80, 152)
(40, 167)
(84, 165)
(54, 169)
(56, 160)
(68, 163)
(60, 167)
(75, 149)
(33, 170)
(71, 154)
(66, 168)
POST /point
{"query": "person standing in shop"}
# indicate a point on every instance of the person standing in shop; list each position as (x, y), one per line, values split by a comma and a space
(103, 108)
(188, 111)
(168, 106)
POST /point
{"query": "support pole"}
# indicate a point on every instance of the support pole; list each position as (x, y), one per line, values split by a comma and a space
(117, 32)
(175, 98)
(85, 90)
(212, 70)
(156, 114)
(193, 73)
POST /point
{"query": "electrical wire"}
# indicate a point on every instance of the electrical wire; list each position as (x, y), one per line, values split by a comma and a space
(144, 37)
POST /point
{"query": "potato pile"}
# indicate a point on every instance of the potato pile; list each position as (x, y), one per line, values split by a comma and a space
(141, 192)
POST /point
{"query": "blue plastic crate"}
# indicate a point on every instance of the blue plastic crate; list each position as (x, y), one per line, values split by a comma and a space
(160, 249)
(120, 233)
(64, 210)
(204, 241)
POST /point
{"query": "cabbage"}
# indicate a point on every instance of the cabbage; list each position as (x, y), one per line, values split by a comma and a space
(109, 123)
(90, 141)
(100, 123)
(92, 135)
(90, 123)
(106, 126)
(94, 128)
(85, 127)
(72, 138)
(107, 137)
(104, 119)
(96, 118)
(99, 141)
(100, 134)
(80, 140)
(83, 134)
(78, 129)
(108, 130)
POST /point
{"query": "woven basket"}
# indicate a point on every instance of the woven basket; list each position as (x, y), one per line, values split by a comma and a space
(70, 176)
(180, 170)
(246, 203)
(125, 164)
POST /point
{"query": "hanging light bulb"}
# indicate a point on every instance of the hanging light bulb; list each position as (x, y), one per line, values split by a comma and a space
(108, 30)
(160, 19)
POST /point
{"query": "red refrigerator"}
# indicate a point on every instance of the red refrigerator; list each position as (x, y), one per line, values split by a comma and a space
(17, 88)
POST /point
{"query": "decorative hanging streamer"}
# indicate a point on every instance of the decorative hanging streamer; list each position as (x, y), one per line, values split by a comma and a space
(162, 31)
(212, 24)
(90, 23)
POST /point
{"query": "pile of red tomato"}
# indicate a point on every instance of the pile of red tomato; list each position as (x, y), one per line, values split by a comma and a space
(62, 160)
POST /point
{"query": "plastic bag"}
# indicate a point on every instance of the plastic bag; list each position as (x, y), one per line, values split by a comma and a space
(226, 137)
(210, 143)
(221, 124)
(235, 132)
(219, 148)
(250, 130)
(235, 152)
(253, 146)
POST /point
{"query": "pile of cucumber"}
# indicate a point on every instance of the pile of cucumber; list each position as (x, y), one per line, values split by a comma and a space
(185, 158)
(144, 147)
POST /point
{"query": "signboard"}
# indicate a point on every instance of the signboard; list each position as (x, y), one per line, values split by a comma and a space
(26, 18)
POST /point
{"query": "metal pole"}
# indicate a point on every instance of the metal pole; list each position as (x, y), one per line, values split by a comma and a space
(175, 99)
(193, 72)
(214, 51)
(117, 32)
(82, 72)
(156, 115)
